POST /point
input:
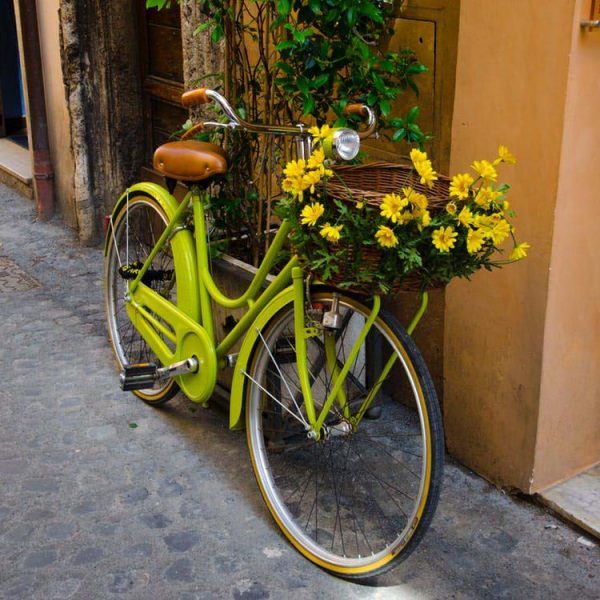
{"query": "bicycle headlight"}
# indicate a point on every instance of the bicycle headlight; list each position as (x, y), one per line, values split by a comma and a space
(342, 144)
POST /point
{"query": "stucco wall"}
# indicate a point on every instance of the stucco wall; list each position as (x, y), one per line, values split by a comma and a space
(59, 135)
(513, 59)
(569, 422)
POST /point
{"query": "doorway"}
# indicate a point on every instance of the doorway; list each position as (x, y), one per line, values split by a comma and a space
(13, 123)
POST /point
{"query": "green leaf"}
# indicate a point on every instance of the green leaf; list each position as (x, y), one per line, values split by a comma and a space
(308, 105)
(133, 425)
(371, 11)
(322, 79)
(285, 45)
(299, 36)
(416, 69)
(217, 33)
(399, 134)
(203, 27)
(385, 107)
(287, 69)
(379, 83)
(303, 85)
(413, 114)
(314, 5)
(158, 4)
(283, 7)
(350, 16)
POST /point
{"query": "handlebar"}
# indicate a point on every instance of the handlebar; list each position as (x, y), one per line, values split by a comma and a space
(205, 96)
(363, 110)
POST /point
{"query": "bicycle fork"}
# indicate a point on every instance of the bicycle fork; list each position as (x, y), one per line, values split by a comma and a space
(331, 322)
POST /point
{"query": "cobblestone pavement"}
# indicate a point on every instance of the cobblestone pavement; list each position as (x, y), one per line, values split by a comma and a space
(102, 496)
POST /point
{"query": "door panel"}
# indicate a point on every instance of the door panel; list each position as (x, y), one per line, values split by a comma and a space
(162, 74)
(430, 28)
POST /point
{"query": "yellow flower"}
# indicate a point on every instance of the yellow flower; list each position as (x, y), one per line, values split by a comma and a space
(505, 155)
(319, 134)
(311, 213)
(294, 186)
(417, 156)
(444, 238)
(360, 205)
(428, 175)
(310, 179)
(331, 232)
(475, 239)
(386, 237)
(485, 170)
(425, 218)
(485, 223)
(317, 162)
(419, 200)
(460, 186)
(487, 195)
(407, 192)
(317, 158)
(519, 251)
(451, 208)
(500, 231)
(465, 217)
(505, 205)
(391, 207)
(405, 217)
(295, 168)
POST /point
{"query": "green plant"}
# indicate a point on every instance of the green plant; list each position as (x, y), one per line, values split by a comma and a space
(287, 58)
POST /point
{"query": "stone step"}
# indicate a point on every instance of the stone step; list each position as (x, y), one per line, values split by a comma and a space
(15, 166)
(577, 500)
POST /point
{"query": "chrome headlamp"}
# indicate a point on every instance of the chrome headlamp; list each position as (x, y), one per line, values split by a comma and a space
(342, 144)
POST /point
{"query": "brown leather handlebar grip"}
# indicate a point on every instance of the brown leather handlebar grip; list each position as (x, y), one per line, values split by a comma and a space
(193, 97)
(197, 128)
(355, 109)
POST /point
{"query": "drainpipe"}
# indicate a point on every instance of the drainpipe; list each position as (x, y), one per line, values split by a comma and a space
(43, 175)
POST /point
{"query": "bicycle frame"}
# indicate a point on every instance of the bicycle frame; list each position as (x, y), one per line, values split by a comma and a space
(191, 332)
(189, 328)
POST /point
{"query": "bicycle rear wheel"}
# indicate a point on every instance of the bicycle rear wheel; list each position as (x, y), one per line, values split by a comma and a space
(359, 499)
(132, 236)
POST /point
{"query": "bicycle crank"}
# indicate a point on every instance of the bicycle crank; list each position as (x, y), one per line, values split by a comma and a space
(146, 375)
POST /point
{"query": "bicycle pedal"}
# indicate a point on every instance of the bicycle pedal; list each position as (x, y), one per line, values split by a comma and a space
(138, 376)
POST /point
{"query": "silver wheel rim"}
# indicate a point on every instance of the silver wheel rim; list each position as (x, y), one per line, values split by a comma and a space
(274, 496)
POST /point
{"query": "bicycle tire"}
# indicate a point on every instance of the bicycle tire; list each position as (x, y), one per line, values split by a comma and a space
(142, 220)
(355, 504)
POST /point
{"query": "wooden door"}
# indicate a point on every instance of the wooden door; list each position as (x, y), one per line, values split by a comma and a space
(162, 75)
(430, 28)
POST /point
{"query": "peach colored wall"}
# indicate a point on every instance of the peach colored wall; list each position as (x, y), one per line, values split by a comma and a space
(57, 113)
(569, 422)
(513, 59)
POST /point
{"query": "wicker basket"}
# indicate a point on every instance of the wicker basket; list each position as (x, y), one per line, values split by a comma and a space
(370, 257)
(370, 183)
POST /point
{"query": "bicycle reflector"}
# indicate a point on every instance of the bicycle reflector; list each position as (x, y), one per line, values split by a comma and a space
(342, 144)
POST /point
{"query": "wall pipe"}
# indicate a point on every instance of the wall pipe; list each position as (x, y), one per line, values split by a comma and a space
(43, 174)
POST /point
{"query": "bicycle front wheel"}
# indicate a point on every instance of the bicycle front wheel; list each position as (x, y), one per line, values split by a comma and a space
(361, 497)
(133, 233)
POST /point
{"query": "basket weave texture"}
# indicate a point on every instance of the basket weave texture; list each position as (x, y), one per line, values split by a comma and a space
(370, 183)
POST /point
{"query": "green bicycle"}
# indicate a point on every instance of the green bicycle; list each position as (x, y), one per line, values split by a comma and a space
(342, 420)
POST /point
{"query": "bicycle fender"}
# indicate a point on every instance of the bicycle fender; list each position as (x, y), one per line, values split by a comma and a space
(182, 244)
(236, 418)
(157, 192)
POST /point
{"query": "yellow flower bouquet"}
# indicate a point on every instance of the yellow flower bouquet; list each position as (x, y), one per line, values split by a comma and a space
(381, 227)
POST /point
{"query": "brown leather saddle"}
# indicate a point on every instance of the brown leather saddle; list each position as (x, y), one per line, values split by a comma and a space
(190, 161)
